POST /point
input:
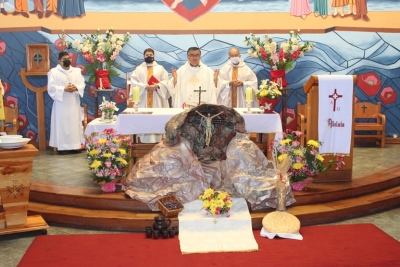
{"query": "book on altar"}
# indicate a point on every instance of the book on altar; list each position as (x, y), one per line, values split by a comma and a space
(153, 80)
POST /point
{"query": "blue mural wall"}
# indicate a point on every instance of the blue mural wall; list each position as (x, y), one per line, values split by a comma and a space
(374, 57)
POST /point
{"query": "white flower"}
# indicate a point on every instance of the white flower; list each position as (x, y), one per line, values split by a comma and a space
(309, 49)
(249, 52)
(295, 48)
(255, 54)
(77, 41)
(301, 54)
(273, 47)
(118, 48)
(257, 48)
(295, 41)
(85, 49)
(119, 42)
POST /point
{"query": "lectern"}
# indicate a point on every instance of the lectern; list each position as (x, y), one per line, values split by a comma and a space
(311, 88)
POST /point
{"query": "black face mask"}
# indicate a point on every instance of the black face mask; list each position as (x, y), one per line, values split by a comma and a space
(66, 63)
(149, 59)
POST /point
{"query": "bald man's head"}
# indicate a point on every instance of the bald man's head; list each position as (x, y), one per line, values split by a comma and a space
(234, 52)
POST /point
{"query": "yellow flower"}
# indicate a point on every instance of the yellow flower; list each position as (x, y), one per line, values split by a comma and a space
(222, 195)
(263, 93)
(102, 141)
(93, 152)
(116, 141)
(122, 151)
(228, 203)
(297, 165)
(96, 164)
(209, 191)
(206, 203)
(298, 152)
(282, 157)
(285, 141)
(313, 143)
(319, 157)
(123, 161)
(107, 155)
(213, 209)
(276, 91)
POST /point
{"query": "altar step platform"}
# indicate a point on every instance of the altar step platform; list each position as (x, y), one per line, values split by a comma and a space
(90, 208)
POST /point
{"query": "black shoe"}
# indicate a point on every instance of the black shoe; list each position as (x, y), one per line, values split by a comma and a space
(48, 13)
(63, 152)
(34, 11)
(76, 151)
(4, 12)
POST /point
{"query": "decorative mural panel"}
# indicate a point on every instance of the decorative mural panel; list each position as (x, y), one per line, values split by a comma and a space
(374, 57)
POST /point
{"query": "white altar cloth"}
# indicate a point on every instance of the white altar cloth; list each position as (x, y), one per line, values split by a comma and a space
(201, 233)
(98, 126)
(129, 123)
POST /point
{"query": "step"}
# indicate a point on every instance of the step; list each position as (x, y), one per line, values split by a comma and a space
(311, 214)
(317, 193)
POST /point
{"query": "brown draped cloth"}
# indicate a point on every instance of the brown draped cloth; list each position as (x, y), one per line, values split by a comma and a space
(149, 93)
(235, 72)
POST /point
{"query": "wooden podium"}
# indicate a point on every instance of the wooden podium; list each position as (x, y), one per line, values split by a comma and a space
(15, 181)
(311, 88)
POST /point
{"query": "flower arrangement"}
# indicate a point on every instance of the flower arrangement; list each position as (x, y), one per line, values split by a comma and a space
(306, 162)
(216, 202)
(268, 89)
(279, 58)
(107, 156)
(107, 109)
(100, 52)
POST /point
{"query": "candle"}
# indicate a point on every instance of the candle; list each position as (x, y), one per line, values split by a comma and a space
(249, 94)
(136, 94)
(2, 116)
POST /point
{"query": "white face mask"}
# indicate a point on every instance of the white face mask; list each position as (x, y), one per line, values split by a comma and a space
(235, 60)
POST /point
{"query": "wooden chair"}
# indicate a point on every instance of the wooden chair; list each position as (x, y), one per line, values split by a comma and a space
(302, 114)
(11, 120)
(367, 118)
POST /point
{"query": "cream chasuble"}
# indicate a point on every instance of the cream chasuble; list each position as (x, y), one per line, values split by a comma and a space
(189, 80)
(66, 121)
(246, 75)
(156, 99)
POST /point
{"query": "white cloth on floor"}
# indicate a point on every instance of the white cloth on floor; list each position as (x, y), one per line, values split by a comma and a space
(334, 113)
(202, 233)
(265, 233)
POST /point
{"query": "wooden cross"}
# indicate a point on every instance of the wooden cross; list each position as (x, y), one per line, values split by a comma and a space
(200, 91)
(364, 108)
(215, 221)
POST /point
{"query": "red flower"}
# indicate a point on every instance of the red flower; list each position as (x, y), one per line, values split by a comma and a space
(263, 53)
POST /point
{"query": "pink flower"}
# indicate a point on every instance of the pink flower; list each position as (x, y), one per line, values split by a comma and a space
(295, 143)
(108, 164)
(108, 187)
(113, 149)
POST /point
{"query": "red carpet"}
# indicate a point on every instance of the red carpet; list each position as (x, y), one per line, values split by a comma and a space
(340, 245)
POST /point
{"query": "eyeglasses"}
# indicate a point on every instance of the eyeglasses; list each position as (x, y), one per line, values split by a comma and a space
(191, 55)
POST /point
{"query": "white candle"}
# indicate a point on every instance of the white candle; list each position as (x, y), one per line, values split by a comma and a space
(2, 116)
(136, 94)
(249, 94)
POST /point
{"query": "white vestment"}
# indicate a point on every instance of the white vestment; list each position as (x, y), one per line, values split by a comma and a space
(190, 79)
(66, 122)
(246, 75)
(160, 97)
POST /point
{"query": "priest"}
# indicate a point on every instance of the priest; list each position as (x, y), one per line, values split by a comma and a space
(152, 80)
(192, 79)
(66, 86)
(234, 77)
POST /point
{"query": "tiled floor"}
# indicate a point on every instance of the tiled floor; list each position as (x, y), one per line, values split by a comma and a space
(73, 170)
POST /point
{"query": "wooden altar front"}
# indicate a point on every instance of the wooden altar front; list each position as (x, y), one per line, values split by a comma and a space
(311, 88)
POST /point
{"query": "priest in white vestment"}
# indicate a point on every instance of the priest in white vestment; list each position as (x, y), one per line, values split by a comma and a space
(192, 76)
(152, 80)
(234, 77)
(66, 86)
